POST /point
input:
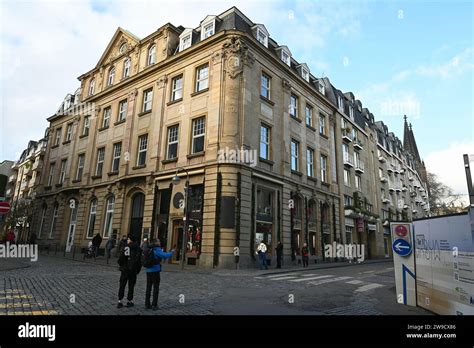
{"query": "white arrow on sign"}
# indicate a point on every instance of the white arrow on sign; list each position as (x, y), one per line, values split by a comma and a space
(398, 246)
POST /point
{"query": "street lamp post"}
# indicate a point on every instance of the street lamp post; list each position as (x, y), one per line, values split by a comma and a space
(176, 180)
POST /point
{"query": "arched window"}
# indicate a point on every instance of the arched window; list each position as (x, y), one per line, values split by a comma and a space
(109, 214)
(126, 67)
(53, 220)
(43, 216)
(122, 48)
(92, 216)
(91, 86)
(151, 55)
(110, 79)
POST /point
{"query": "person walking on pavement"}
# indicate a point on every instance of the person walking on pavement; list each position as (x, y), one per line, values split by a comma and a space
(109, 246)
(152, 262)
(305, 255)
(33, 238)
(262, 255)
(145, 244)
(130, 265)
(96, 244)
(279, 252)
(122, 244)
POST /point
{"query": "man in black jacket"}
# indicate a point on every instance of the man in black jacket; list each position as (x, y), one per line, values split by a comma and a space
(130, 265)
(96, 244)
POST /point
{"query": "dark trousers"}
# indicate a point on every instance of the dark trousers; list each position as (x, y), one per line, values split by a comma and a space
(130, 278)
(278, 261)
(152, 279)
(305, 261)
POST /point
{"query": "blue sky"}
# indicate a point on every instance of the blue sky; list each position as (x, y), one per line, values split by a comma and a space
(397, 57)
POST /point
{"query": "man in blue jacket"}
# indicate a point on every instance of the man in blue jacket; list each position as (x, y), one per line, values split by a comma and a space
(153, 274)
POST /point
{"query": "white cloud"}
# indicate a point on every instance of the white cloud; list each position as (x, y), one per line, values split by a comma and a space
(448, 165)
(457, 65)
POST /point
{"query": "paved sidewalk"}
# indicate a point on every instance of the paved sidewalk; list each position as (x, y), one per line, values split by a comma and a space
(167, 267)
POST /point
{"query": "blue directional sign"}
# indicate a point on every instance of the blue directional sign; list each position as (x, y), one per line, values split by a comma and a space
(401, 247)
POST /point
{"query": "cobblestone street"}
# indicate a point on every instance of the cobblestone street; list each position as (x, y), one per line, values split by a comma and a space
(61, 286)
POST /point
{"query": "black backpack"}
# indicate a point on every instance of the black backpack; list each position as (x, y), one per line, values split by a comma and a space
(149, 259)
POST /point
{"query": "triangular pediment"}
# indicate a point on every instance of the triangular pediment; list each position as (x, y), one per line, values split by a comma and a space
(121, 39)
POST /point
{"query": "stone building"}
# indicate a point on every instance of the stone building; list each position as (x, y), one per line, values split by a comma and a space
(24, 182)
(270, 151)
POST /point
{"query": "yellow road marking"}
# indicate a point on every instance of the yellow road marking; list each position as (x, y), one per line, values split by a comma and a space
(14, 305)
(46, 312)
(15, 296)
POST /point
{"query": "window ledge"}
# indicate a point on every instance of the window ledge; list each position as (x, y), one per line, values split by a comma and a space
(325, 184)
(66, 142)
(119, 122)
(295, 118)
(47, 188)
(144, 113)
(174, 101)
(200, 92)
(267, 161)
(113, 173)
(266, 100)
(197, 154)
(103, 128)
(76, 181)
(324, 136)
(93, 177)
(311, 127)
(59, 185)
(170, 160)
(296, 172)
(139, 167)
(55, 146)
(83, 136)
(312, 178)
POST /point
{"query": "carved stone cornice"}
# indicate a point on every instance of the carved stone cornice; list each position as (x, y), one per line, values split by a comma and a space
(132, 94)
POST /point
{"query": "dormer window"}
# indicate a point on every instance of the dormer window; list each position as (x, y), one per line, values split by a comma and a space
(262, 37)
(110, 79)
(351, 112)
(305, 74)
(285, 57)
(321, 88)
(91, 87)
(185, 42)
(340, 104)
(208, 28)
(151, 55)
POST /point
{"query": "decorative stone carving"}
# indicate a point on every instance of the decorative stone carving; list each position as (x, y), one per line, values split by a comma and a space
(286, 84)
(132, 94)
(237, 54)
(161, 82)
(216, 57)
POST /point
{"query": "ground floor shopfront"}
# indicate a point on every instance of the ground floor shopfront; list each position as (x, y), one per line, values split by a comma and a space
(231, 208)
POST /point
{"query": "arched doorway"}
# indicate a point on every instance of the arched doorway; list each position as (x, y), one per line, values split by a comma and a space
(136, 216)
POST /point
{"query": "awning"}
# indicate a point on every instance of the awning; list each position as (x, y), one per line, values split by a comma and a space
(372, 227)
(349, 222)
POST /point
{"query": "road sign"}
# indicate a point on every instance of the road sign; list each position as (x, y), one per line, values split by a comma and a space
(401, 230)
(4, 207)
(401, 247)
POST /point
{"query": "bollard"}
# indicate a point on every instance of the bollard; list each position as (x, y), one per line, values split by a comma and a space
(73, 252)
(55, 249)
